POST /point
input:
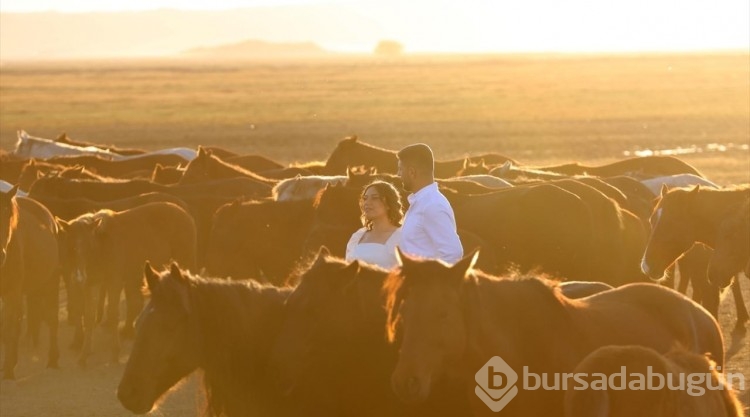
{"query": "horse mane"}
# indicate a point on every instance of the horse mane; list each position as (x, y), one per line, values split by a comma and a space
(236, 168)
(237, 321)
(475, 281)
(352, 140)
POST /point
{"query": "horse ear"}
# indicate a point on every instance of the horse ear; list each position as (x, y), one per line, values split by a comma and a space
(664, 190)
(323, 251)
(349, 275)
(467, 162)
(482, 164)
(62, 224)
(505, 168)
(695, 189)
(152, 277)
(32, 162)
(176, 272)
(349, 172)
(402, 258)
(202, 151)
(466, 263)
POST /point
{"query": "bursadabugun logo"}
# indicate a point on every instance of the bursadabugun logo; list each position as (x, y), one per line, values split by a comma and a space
(496, 383)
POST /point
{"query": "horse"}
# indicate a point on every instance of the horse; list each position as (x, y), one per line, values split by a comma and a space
(304, 188)
(639, 167)
(731, 253)
(63, 138)
(28, 267)
(677, 181)
(258, 238)
(110, 249)
(352, 152)
(331, 356)
(207, 167)
(710, 396)
(450, 320)
(32, 147)
(167, 175)
(682, 217)
(225, 328)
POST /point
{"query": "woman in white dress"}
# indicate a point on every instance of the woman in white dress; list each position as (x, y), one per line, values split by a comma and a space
(382, 213)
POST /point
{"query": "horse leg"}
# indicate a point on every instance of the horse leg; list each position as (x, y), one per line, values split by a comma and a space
(670, 277)
(113, 318)
(683, 284)
(33, 319)
(52, 301)
(88, 301)
(11, 331)
(134, 299)
(739, 303)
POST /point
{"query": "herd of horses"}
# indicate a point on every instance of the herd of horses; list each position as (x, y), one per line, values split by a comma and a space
(567, 269)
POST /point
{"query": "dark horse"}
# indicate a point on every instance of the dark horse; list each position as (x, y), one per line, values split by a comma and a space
(225, 328)
(332, 356)
(29, 266)
(208, 167)
(453, 320)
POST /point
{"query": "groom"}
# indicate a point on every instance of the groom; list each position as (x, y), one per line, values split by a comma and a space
(429, 226)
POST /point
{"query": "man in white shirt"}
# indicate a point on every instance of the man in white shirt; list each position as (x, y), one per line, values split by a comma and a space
(429, 226)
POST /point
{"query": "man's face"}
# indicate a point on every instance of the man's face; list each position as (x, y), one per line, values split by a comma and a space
(407, 174)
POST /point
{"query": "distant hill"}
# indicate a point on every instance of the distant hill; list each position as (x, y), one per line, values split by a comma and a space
(259, 49)
(164, 33)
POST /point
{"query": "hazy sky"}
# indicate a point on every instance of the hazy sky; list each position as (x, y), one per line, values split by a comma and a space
(499, 25)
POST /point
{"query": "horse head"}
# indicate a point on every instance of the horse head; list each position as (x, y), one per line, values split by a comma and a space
(165, 348)
(425, 313)
(672, 230)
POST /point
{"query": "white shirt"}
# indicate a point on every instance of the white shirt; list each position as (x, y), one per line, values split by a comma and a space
(429, 227)
(380, 254)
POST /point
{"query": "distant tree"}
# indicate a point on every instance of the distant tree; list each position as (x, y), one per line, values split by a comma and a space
(389, 48)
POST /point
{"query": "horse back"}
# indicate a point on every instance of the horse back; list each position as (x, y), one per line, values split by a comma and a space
(660, 317)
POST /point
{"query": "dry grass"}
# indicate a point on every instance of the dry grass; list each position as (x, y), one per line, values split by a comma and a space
(537, 109)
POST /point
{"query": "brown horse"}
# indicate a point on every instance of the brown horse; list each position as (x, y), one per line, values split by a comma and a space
(207, 167)
(710, 396)
(452, 320)
(639, 167)
(332, 358)
(225, 328)
(110, 249)
(732, 246)
(351, 152)
(167, 175)
(682, 217)
(28, 267)
(258, 238)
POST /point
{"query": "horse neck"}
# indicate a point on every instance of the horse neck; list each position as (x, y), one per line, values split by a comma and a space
(526, 332)
(236, 329)
(709, 209)
(235, 317)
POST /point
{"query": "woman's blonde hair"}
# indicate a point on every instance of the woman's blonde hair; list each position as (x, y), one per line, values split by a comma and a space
(390, 196)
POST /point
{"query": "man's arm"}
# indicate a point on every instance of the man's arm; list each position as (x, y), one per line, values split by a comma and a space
(441, 228)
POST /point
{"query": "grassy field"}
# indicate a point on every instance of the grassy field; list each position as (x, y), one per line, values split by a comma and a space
(535, 108)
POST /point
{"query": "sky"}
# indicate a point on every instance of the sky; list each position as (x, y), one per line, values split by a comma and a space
(496, 25)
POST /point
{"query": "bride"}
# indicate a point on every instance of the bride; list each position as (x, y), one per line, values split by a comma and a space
(382, 213)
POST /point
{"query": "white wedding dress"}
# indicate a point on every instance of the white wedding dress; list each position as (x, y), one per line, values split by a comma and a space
(380, 254)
